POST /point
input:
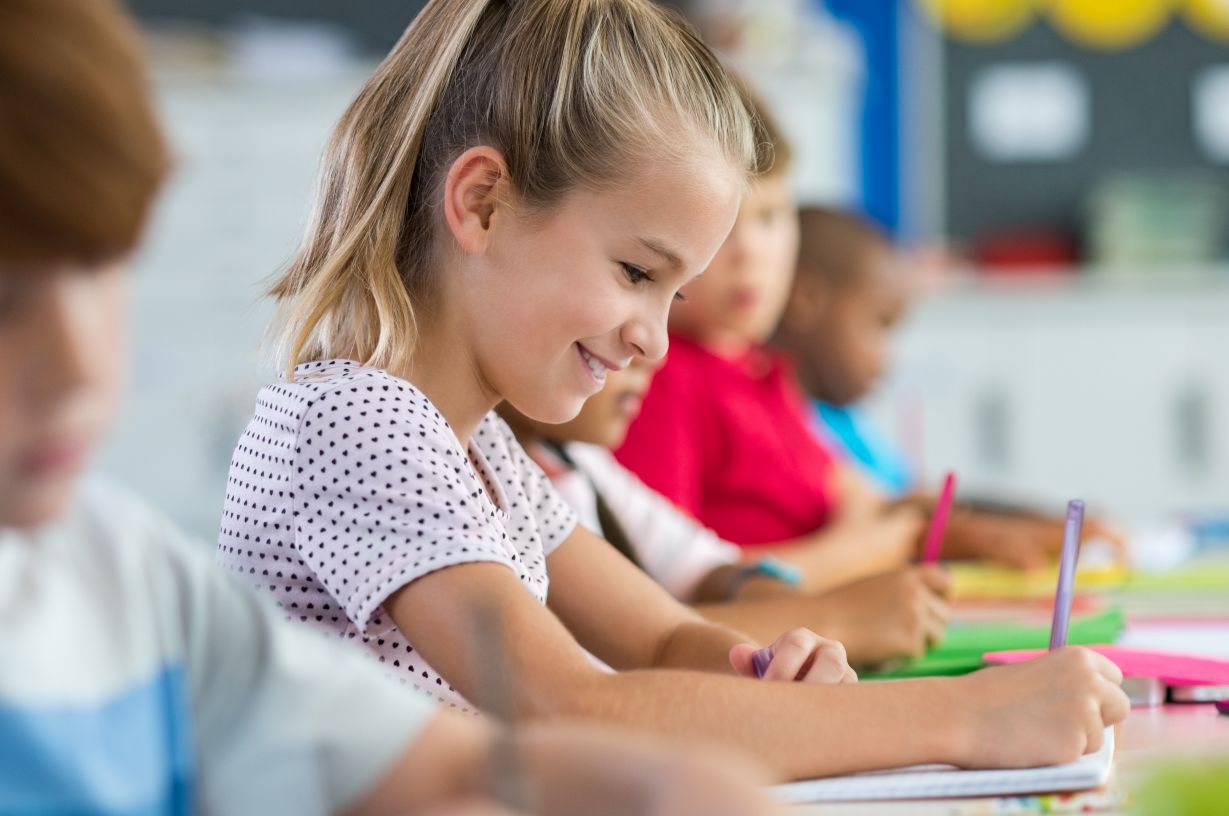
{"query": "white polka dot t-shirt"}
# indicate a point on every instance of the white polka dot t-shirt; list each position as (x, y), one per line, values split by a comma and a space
(348, 484)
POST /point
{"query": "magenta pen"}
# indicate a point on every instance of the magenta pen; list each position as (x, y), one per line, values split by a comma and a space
(938, 521)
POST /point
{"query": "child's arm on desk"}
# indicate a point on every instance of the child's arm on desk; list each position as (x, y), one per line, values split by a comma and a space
(853, 548)
(1048, 711)
(884, 617)
(559, 770)
(1011, 535)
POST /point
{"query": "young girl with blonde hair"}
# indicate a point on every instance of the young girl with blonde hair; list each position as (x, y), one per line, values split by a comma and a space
(507, 212)
(138, 678)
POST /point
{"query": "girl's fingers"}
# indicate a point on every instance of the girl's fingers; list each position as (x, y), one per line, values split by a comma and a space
(830, 665)
(797, 655)
(936, 628)
(742, 659)
(1115, 705)
(938, 608)
(1095, 734)
(1109, 670)
(937, 578)
(790, 656)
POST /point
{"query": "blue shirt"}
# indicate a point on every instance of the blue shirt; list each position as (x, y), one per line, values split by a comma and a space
(850, 431)
(138, 680)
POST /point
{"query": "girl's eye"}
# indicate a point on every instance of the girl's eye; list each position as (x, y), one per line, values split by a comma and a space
(635, 274)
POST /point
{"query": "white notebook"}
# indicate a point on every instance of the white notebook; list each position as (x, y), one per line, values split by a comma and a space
(945, 781)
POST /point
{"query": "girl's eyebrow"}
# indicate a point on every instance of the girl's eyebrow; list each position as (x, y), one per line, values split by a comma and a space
(661, 249)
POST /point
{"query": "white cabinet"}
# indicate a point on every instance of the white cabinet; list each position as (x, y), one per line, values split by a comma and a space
(1114, 392)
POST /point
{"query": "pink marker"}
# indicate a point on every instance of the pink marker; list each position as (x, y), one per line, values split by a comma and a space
(938, 521)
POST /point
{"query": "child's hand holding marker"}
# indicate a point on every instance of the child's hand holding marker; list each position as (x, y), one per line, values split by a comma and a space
(798, 655)
(1061, 703)
(1047, 711)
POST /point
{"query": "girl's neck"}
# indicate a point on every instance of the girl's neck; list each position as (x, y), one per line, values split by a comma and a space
(726, 345)
(446, 372)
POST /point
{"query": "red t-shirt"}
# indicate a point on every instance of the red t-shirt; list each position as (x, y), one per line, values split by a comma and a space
(728, 441)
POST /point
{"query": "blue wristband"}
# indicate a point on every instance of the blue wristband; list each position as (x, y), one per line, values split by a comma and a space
(767, 567)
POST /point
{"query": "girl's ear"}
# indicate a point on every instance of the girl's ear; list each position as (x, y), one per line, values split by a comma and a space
(475, 188)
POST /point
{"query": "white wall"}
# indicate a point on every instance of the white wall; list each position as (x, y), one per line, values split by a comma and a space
(230, 219)
(1116, 392)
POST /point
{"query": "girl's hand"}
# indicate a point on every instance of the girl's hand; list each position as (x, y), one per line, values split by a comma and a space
(798, 655)
(897, 614)
(883, 542)
(1044, 712)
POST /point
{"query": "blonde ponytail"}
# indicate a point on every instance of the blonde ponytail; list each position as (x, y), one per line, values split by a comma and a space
(570, 91)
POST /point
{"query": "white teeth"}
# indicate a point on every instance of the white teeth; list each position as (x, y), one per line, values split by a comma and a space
(595, 365)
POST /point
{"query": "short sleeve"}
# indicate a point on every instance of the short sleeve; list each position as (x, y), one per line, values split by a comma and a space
(285, 720)
(675, 549)
(383, 495)
(555, 517)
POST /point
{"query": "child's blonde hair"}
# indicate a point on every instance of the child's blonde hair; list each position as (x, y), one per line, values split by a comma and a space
(774, 155)
(572, 92)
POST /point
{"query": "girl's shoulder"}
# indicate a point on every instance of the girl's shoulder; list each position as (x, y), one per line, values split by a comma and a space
(325, 376)
(347, 404)
(369, 391)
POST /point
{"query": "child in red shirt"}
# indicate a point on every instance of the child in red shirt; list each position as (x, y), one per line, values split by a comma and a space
(740, 458)
(724, 432)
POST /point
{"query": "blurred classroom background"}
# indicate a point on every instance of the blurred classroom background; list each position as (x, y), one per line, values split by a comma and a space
(1056, 170)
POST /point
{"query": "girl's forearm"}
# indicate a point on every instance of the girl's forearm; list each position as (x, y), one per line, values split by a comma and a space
(800, 730)
(765, 619)
(701, 646)
(827, 559)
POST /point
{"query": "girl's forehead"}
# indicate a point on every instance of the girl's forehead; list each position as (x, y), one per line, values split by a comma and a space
(665, 210)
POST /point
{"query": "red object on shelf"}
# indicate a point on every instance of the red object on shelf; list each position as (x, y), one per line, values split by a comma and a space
(1016, 252)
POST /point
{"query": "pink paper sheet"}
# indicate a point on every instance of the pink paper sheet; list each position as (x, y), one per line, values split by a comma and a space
(1173, 669)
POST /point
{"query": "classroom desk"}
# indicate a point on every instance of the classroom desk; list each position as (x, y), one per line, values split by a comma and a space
(1148, 736)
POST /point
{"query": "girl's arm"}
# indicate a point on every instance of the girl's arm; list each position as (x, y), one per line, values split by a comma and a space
(594, 591)
(849, 550)
(894, 615)
(868, 536)
(1048, 711)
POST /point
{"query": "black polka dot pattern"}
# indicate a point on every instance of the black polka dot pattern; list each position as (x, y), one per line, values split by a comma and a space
(348, 484)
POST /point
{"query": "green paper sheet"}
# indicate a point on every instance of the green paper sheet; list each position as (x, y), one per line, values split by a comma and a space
(964, 644)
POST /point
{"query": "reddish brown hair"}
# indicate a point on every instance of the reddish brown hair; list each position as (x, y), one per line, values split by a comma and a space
(81, 153)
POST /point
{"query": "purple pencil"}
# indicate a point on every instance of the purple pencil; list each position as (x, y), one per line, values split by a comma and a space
(761, 659)
(1066, 573)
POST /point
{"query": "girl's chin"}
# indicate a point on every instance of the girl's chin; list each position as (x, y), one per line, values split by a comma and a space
(555, 413)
